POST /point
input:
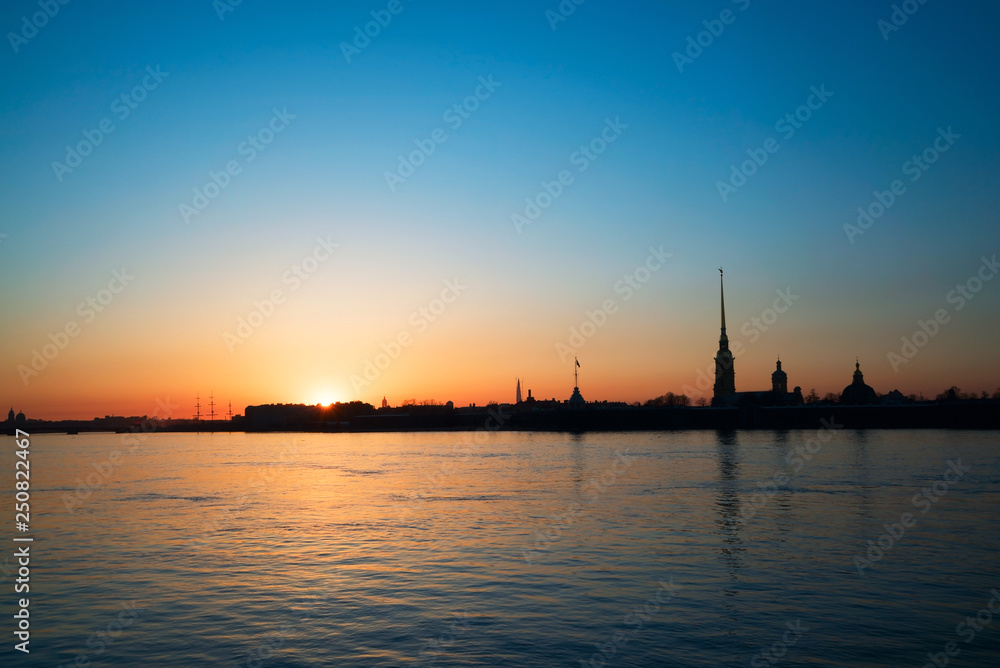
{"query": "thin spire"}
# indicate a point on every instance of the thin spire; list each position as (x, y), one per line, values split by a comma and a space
(722, 295)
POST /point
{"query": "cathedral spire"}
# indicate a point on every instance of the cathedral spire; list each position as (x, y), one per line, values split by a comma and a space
(722, 296)
(725, 377)
(723, 338)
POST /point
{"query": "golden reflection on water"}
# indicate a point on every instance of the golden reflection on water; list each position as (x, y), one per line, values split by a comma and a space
(547, 541)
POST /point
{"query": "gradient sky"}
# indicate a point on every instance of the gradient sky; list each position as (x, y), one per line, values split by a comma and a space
(323, 176)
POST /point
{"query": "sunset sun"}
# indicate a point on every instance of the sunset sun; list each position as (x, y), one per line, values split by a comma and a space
(324, 397)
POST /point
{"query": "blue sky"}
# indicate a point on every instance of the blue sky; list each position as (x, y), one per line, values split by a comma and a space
(657, 184)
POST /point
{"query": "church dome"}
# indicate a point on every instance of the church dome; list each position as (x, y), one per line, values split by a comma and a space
(857, 393)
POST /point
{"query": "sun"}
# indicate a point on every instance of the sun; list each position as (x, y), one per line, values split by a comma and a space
(323, 392)
(324, 398)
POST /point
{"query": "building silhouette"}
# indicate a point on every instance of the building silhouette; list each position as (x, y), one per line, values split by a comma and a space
(18, 420)
(857, 393)
(779, 389)
(779, 380)
(725, 374)
(576, 399)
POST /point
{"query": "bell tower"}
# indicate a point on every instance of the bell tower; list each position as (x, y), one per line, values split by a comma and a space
(779, 381)
(725, 375)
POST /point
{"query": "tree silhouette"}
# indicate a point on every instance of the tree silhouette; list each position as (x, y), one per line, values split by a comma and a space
(670, 400)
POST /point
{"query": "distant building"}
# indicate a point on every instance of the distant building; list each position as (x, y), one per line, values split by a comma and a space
(894, 398)
(576, 399)
(857, 393)
(385, 403)
(779, 389)
(10, 416)
(779, 380)
(517, 394)
(725, 374)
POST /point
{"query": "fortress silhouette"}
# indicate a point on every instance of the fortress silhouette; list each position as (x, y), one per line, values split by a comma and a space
(858, 406)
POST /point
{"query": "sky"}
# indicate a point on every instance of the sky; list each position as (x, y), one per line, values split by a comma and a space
(261, 202)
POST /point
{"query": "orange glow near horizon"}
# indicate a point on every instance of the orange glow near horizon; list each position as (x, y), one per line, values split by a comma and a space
(443, 370)
(375, 342)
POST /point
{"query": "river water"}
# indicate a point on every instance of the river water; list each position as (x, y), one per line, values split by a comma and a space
(831, 547)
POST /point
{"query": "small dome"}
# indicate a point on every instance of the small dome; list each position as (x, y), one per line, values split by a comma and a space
(857, 393)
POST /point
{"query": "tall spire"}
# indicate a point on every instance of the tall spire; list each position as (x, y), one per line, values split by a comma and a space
(722, 295)
(723, 338)
(725, 376)
(576, 400)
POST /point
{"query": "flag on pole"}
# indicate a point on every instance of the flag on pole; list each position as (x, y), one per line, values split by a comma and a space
(577, 362)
